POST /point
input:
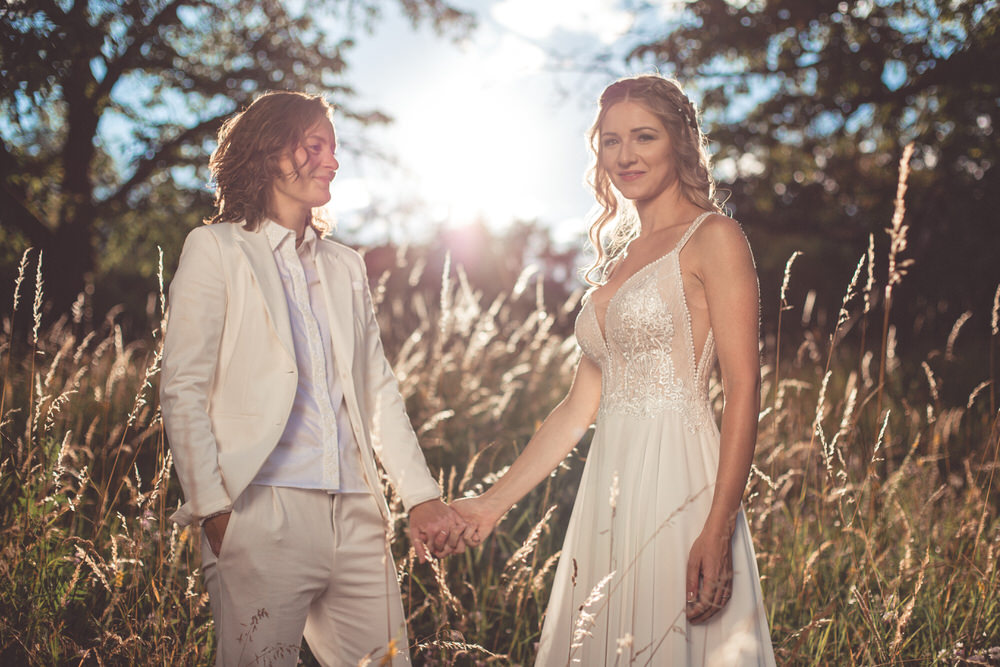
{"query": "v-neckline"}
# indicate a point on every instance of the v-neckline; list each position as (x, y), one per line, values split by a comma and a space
(601, 326)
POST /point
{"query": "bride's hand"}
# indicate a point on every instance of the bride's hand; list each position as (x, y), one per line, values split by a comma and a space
(480, 518)
(709, 574)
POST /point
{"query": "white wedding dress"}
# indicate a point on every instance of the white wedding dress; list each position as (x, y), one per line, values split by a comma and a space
(619, 591)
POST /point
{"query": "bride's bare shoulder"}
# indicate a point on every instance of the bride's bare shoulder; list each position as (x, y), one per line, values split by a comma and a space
(718, 235)
(719, 245)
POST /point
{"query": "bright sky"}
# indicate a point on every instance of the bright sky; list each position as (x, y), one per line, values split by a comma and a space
(489, 128)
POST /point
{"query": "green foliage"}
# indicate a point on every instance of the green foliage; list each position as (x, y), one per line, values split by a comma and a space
(808, 106)
(110, 107)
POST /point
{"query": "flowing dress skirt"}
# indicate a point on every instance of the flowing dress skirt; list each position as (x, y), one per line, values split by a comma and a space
(619, 591)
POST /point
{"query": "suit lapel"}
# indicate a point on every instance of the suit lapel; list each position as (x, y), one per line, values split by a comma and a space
(338, 291)
(261, 259)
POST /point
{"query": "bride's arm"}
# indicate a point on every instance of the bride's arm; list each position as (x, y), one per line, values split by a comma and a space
(555, 438)
(726, 267)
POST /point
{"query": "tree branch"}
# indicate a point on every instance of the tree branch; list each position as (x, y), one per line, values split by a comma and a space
(127, 60)
(147, 166)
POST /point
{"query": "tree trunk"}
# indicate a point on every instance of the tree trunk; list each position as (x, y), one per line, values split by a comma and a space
(68, 264)
(70, 255)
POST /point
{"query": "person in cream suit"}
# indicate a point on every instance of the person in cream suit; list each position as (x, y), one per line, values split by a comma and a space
(277, 398)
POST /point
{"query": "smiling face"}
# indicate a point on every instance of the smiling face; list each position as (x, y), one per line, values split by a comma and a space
(306, 173)
(636, 151)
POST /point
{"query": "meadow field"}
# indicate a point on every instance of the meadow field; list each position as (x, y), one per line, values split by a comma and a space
(873, 502)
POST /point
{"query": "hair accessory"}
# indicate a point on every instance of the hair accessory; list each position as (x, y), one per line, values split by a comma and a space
(688, 119)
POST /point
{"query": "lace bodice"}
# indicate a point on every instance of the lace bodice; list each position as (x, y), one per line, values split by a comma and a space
(646, 354)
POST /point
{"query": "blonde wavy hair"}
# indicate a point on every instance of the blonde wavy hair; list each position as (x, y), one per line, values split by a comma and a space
(664, 98)
(245, 163)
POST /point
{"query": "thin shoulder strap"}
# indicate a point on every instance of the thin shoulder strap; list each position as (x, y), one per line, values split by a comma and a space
(692, 229)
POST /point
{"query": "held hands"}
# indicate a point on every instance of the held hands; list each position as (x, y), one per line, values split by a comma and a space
(432, 524)
(480, 518)
(437, 529)
(709, 574)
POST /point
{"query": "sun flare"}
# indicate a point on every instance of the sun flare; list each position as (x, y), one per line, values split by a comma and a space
(470, 151)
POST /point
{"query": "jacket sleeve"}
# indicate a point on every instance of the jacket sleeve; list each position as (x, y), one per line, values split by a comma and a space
(196, 317)
(393, 438)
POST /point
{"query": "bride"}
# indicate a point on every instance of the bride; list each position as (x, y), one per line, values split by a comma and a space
(657, 567)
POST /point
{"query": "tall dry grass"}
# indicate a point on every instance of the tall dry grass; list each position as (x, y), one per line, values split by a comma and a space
(91, 572)
(873, 501)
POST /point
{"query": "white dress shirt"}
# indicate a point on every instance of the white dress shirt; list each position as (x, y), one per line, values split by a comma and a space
(317, 449)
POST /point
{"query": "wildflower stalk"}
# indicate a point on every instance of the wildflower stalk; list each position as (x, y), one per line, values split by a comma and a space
(994, 334)
(866, 295)
(897, 268)
(842, 317)
(21, 268)
(784, 305)
(36, 315)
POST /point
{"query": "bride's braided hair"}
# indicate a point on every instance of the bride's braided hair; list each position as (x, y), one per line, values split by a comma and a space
(664, 98)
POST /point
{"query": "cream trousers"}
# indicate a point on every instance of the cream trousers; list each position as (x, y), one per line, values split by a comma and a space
(302, 562)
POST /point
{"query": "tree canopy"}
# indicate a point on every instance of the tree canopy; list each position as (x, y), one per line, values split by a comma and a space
(110, 108)
(809, 104)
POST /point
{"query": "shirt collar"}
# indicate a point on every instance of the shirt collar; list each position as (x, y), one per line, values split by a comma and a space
(277, 234)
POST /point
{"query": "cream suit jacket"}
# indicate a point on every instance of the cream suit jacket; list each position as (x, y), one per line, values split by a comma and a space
(229, 375)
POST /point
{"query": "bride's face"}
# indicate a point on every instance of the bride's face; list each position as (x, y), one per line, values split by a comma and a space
(636, 151)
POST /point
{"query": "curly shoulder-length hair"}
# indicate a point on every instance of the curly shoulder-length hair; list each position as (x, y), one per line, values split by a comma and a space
(245, 163)
(664, 98)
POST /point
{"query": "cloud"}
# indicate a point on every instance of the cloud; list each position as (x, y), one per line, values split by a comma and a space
(539, 20)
